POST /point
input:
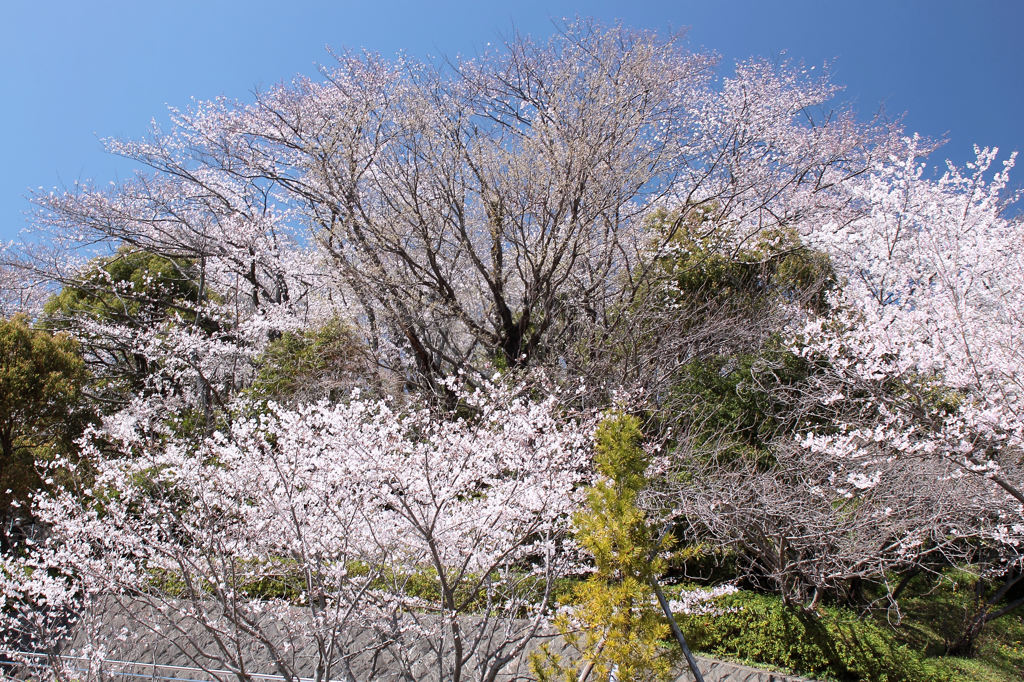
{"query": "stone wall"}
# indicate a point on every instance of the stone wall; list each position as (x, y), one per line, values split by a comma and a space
(723, 671)
(185, 650)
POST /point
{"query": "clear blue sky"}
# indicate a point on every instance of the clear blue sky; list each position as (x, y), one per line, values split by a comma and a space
(74, 72)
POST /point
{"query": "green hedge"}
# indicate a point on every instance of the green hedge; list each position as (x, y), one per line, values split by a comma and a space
(833, 644)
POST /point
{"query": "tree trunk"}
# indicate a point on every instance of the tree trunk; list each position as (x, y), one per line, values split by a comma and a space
(966, 642)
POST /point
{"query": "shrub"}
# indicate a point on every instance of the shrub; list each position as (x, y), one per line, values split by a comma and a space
(833, 643)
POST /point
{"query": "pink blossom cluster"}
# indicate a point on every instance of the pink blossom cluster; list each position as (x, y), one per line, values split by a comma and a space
(356, 503)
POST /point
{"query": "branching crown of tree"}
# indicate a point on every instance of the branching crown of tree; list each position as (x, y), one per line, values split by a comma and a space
(471, 211)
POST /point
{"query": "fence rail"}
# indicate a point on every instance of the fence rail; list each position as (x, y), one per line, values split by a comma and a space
(132, 669)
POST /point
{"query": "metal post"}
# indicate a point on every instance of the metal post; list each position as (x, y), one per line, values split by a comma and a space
(676, 631)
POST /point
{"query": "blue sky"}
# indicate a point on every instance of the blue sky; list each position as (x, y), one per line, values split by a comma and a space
(74, 72)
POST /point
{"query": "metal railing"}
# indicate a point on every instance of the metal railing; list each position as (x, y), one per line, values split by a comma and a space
(130, 669)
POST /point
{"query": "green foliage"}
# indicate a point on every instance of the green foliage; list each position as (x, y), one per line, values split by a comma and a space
(732, 389)
(933, 613)
(312, 364)
(741, 398)
(833, 643)
(271, 578)
(41, 410)
(704, 261)
(159, 483)
(423, 584)
(135, 290)
(167, 582)
(952, 669)
(615, 623)
(703, 562)
(839, 644)
(192, 425)
(612, 527)
(132, 287)
(470, 593)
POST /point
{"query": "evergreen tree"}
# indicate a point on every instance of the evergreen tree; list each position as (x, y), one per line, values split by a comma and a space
(41, 412)
(614, 620)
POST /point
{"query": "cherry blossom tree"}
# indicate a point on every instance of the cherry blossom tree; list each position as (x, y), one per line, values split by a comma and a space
(812, 527)
(19, 291)
(481, 212)
(878, 435)
(922, 357)
(324, 535)
(932, 300)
